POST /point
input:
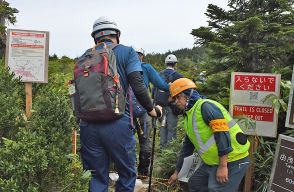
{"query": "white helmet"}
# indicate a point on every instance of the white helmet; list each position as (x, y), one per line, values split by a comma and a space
(140, 50)
(171, 59)
(104, 26)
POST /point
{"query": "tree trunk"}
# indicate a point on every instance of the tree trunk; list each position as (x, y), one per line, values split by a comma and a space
(2, 36)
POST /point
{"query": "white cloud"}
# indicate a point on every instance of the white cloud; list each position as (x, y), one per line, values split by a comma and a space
(154, 25)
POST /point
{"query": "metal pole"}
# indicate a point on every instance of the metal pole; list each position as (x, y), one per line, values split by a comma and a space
(153, 143)
(152, 153)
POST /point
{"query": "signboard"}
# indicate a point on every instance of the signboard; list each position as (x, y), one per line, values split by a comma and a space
(27, 54)
(282, 175)
(290, 112)
(190, 165)
(248, 91)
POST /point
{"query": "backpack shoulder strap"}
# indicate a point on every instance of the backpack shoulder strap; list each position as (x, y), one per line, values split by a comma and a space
(163, 74)
(112, 62)
(170, 77)
(111, 59)
(111, 46)
(105, 47)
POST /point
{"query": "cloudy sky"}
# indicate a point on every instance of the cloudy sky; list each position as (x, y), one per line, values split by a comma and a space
(155, 25)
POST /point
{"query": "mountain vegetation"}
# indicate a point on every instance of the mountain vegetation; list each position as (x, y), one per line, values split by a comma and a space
(7, 16)
(250, 36)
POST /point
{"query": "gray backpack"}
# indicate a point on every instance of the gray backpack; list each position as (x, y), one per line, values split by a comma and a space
(98, 96)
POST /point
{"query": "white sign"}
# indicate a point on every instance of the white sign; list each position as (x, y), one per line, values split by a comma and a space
(290, 111)
(190, 165)
(248, 91)
(27, 54)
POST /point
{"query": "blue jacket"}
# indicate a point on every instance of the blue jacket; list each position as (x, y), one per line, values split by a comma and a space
(151, 75)
(175, 75)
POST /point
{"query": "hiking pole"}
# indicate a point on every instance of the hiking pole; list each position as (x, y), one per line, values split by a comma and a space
(152, 152)
(153, 142)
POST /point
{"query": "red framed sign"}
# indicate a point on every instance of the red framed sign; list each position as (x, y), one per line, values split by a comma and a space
(27, 54)
(248, 91)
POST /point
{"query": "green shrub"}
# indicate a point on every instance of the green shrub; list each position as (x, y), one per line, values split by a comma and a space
(37, 158)
(11, 102)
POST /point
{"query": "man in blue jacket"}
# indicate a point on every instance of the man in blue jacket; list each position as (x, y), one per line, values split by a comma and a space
(143, 123)
(168, 130)
(115, 140)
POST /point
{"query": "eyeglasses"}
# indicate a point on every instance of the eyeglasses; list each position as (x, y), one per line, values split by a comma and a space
(176, 98)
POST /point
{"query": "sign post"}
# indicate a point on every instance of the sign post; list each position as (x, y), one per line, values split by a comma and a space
(248, 177)
(248, 90)
(282, 175)
(74, 141)
(29, 98)
(27, 54)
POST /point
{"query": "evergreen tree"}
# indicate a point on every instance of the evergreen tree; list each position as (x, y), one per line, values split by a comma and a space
(253, 35)
(6, 15)
(188, 60)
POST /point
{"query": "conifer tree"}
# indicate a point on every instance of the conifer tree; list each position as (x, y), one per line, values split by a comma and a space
(7, 14)
(252, 35)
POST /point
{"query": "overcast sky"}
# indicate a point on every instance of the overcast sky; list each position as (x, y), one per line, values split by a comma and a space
(155, 25)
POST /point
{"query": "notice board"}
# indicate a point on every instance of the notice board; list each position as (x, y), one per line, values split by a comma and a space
(290, 112)
(27, 54)
(247, 93)
(282, 174)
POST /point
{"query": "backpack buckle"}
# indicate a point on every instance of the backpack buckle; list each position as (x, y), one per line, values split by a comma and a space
(116, 79)
(86, 73)
(86, 70)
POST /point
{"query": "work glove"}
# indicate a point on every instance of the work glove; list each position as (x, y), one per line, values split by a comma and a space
(156, 112)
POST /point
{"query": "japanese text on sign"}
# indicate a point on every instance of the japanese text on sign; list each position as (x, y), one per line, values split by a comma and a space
(289, 164)
(255, 83)
(28, 34)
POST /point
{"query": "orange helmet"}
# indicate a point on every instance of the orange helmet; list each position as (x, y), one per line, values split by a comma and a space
(180, 85)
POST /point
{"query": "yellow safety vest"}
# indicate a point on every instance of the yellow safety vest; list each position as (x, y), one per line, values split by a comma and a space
(202, 137)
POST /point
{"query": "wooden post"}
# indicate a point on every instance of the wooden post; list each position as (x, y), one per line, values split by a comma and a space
(29, 100)
(74, 141)
(248, 177)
